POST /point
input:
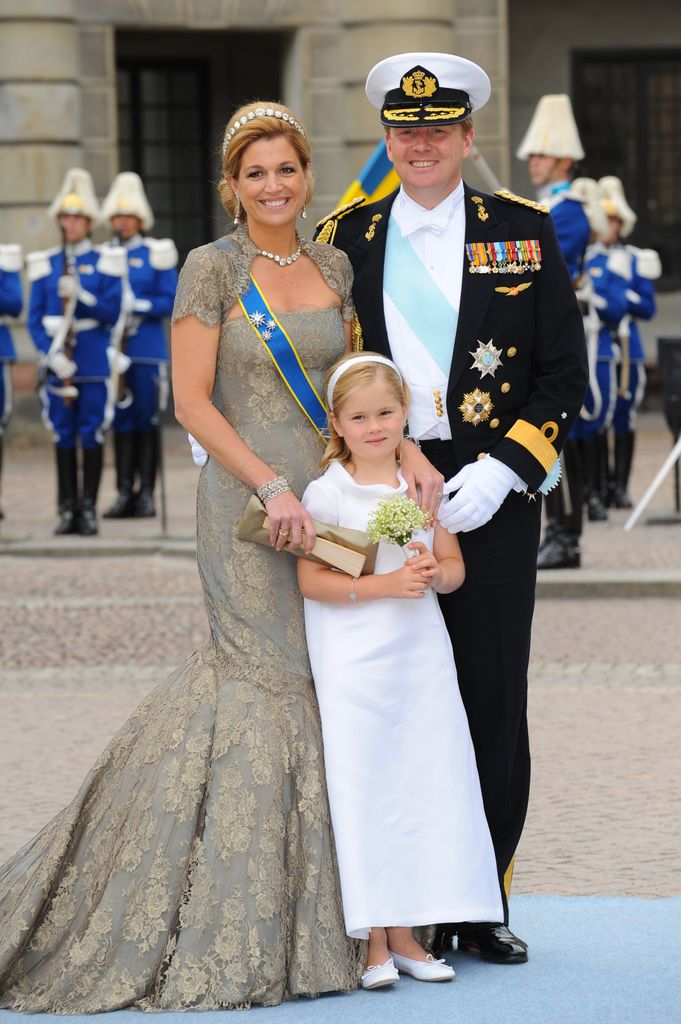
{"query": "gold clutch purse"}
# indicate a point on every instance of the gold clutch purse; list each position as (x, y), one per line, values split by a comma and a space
(345, 549)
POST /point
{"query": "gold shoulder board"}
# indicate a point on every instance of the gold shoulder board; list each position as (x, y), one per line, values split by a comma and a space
(510, 197)
(342, 211)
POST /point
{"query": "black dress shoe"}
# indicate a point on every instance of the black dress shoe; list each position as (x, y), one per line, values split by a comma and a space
(444, 936)
(494, 942)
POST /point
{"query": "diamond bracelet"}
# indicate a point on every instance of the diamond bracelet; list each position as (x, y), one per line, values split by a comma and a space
(272, 489)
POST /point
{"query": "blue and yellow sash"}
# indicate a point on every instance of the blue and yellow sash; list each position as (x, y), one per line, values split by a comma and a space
(283, 354)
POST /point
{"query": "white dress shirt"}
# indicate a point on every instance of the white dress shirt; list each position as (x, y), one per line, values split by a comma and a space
(437, 237)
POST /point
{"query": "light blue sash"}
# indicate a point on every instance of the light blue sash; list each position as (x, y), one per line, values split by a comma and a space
(283, 354)
(428, 312)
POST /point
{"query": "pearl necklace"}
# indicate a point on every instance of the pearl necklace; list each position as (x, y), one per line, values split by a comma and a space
(283, 261)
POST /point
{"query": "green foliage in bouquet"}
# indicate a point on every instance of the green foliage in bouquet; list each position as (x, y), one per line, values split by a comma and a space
(395, 520)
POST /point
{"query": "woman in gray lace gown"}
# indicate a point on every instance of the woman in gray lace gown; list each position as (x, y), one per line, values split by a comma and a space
(195, 867)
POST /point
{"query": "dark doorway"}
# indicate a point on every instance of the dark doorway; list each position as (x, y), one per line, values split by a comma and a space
(627, 107)
(176, 91)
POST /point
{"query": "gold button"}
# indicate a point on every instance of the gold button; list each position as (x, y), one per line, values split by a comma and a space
(481, 455)
(505, 388)
(510, 352)
(494, 423)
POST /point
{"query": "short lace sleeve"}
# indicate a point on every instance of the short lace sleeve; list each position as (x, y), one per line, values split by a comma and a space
(336, 270)
(199, 289)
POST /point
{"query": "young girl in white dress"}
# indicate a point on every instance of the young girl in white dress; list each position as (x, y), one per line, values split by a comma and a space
(413, 848)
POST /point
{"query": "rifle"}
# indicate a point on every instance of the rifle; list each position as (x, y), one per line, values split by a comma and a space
(119, 396)
(64, 339)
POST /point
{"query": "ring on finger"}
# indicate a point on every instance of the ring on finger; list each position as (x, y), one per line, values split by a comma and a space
(284, 533)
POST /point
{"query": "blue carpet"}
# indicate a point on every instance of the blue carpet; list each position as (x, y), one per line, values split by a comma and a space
(593, 960)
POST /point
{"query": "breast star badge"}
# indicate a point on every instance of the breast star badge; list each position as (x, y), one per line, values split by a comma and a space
(486, 359)
(476, 407)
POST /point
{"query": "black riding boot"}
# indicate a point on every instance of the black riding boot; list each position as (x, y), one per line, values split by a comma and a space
(147, 448)
(593, 479)
(92, 472)
(624, 454)
(124, 449)
(67, 491)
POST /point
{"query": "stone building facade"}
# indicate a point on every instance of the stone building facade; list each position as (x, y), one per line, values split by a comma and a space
(147, 85)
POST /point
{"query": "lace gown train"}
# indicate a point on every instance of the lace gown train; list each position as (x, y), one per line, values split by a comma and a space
(195, 867)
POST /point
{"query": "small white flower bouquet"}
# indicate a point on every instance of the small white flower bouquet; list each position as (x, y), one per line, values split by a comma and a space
(395, 521)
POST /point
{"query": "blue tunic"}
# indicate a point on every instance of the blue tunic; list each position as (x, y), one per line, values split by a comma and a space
(11, 297)
(572, 227)
(153, 283)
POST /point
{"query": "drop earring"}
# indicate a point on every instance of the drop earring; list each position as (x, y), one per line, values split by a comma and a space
(304, 212)
(237, 211)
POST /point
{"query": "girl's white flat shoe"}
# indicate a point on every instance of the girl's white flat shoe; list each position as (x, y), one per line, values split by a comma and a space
(380, 975)
(423, 970)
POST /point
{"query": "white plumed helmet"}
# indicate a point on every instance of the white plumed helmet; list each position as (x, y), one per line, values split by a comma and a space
(76, 195)
(127, 196)
(615, 204)
(552, 130)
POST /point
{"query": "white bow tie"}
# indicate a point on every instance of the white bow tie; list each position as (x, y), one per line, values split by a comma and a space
(413, 219)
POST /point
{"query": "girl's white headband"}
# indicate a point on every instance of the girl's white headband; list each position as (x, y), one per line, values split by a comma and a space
(340, 370)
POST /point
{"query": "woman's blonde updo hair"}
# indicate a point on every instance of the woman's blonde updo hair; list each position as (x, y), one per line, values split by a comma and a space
(260, 126)
(351, 380)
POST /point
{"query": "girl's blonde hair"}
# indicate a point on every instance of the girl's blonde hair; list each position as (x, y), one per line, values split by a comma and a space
(358, 377)
(260, 126)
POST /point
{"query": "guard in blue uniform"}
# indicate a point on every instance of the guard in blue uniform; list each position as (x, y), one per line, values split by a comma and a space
(640, 268)
(76, 292)
(607, 273)
(141, 395)
(468, 293)
(11, 301)
(552, 147)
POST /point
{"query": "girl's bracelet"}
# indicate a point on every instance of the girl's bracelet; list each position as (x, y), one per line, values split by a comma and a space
(272, 489)
(352, 595)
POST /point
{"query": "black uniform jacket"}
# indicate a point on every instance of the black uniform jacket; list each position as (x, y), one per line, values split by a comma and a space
(530, 403)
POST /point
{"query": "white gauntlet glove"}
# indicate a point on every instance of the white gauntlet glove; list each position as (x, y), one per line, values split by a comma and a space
(67, 286)
(141, 305)
(118, 361)
(62, 366)
(199, 454)
(480, 489)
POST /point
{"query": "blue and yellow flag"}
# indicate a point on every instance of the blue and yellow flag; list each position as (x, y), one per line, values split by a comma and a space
(376, 179)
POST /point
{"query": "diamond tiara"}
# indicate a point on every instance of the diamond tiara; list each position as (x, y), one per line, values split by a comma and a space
(260, 112)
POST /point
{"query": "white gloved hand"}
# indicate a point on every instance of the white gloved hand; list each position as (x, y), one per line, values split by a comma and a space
(480, 489)
(67, 286)
(141, 305)
(199, 454)
(62, 366)
(118, 361)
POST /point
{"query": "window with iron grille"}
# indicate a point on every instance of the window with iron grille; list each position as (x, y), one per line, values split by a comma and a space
(629, 116)
(163, 136)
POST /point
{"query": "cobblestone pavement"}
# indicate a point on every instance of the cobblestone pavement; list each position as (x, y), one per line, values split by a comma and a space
(83, 640)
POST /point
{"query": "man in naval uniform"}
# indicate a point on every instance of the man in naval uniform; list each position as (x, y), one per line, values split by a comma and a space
(148, 297)
(75, 298)
(11, 301)
(469, 294)
(551, 146)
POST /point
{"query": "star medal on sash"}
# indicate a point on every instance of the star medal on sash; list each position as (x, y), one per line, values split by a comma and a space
(476, 407)
(486, 358)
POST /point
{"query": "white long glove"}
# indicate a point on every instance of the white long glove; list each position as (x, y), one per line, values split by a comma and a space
(62, 366)
(67, 286)
(480, 489)
(118, 361)
(199, 454)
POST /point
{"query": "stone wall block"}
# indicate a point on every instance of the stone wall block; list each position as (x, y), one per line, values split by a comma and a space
(38, 50)
(325, 54)
(29, 226)
(486, 48)
(474, 9)
(96, 53)
(99, 113)
(34, 173)
(29, 111)
(113, 12)
(38, 9)
(363, 46)
(354, 11)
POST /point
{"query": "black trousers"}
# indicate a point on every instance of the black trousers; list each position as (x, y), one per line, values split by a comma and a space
(489, 619)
